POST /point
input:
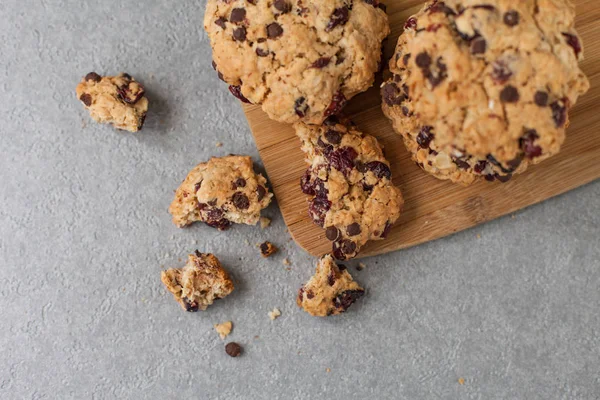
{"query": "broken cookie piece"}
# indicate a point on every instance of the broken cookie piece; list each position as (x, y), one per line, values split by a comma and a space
(267, 249)
(220, 192)
(117, 100)
(199, 283)
(224, 329)
(330, 291)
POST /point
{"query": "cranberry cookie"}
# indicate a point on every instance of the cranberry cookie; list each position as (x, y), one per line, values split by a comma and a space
(199, 283)
(484, 88)
(117, 100)
(330, 291)
(350, 184)
(220, 192)
(300, 59)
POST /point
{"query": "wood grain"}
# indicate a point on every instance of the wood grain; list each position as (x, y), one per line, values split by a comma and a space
(437, 208)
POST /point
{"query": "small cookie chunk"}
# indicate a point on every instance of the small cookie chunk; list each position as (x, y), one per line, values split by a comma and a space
(274, 314)
(224, 329)
(199, 283)
(302, 60)
(484, 90)
(350, 184)
(117, 100)
(330, 291)
(220, 192)
(267, 249)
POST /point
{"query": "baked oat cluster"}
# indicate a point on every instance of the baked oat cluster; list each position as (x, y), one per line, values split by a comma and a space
(484, 88)
(330, 291)
(300, 59)
(199, 283)
(220, 192)
(350, 184)
(117, 100)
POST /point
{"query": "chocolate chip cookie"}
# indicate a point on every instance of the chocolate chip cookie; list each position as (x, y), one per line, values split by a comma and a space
(117, 100)
(300, 59)
(350, 184)
(330, 291)
(220, 192)
(199, 283)
(484, 88)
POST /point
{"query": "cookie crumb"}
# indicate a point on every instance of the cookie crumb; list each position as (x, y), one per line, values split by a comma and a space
(267, 249)
(224, 329)
(286, 261)
(264, 222)
(274, 314)
(360, 266)
(219, 144)
(461, 381)
(478, 236)
(328, 370)
(233, 349)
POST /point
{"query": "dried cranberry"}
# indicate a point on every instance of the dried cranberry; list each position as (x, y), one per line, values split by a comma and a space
(237, 15)
(410, 23)
(317, 209)
(306, 184)
(274, 30)
(338, 101)
(573, 41)
(240, 200)
(342, 159)
(331, 278)
(344, 300)
(237, 92)
(300, 107)
(461, 164)
(559, 112)
(511, 18)
(338, 17)
(92, 76)
(197, 186)
(321, 62)
(527, 144)
(425, 137)
(379, 169)
(190, 306)
(480, 166)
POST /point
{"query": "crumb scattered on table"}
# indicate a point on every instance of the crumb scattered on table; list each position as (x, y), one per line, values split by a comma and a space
(286, 261)
(267, 249)
(478, 236)
(360, 266)
(264, 222)
(219, 144)
(461, 381)
(328, 370)
(224, 329)
(274, 314)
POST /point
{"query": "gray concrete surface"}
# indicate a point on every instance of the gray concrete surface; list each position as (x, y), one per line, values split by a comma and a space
(84, 232)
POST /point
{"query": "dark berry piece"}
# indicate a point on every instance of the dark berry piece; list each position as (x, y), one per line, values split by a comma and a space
(480, 166)
(509, 94)
(515, 162)
(92, 76)
(261, 52)
(86, 99)
(300, 107)
(333, 137)
(274, 30)
(306, 184)
(353, 229)
(423, 60)
(527, 144)
(391, 94)
(237, 15)
(233, 349)
(490, 178)
(239, 34)
(386, 230)
(261, 192)
(238, 183)
(541, 98)
(461, 164)
(221, 22)
(440, 75)
(338, 17)
(331, 278)
(197, 186)
(332, 120)
(321, 62)
(503, 178)
(130, 92)
(500, 72)
(240, 200)
(317, 209)
(237, 92)
(511, 18)
(379, 169)
(282, 6)
(348, 246)
(478, 45)
(406, 59)
(559, 112)
(344, 300)
(342, 159)
(338, 101)
(190, 306)
(332, 233)
(573, 41)
(425, 137)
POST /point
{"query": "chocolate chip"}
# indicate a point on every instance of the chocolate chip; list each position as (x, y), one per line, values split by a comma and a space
(442, 73)
(237, 92)
(321, 62)
(353, 229)
(310, 294)
(92, 76)
(461, 164)
(332, 233)
(261, 52)
(559, 112)
(239, 34)
(237, 15)
(386, 230)
(503, 178)
(338, 17)
(511, 18)
(240, 200)
(131, 92)
(274, 30)
(331, 278)
(221, 22)
(300, 107)
(282, 6)
(573, 41)
(478, 46)
(348, 246)
(515, 162)
(391, 94)
(261, 192)
(332, 120)
(233, 349)
(86, 98)
(344, 300)
(425, 136)
(423, 60)
(190, 306)
(509, 94)
(238, 183)
(380, 169)
(338, 101)
(541, 98)
(333, 137)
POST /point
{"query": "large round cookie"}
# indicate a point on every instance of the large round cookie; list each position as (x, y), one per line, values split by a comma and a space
(483, 88)
(300, 59)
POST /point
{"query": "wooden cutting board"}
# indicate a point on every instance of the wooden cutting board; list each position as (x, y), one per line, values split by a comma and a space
(437, 208)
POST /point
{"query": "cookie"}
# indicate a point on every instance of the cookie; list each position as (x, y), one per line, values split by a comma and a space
(350, 184)
(199, 283)
(484, 89)
(330, 291)
(220, 192)
(117, 100)
(299, 59)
